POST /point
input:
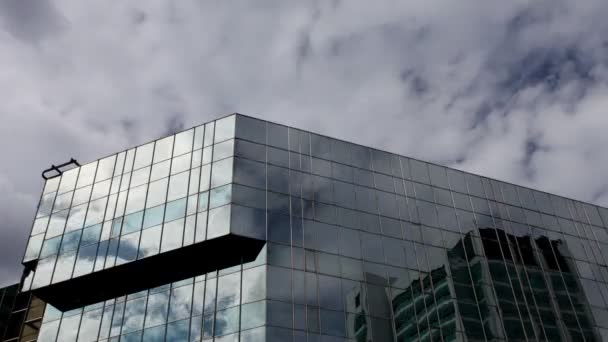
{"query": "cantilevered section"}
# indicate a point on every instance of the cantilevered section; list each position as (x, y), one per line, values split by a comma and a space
(175, 265)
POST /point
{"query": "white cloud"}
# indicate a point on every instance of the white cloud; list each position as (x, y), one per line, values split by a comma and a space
(408, 76)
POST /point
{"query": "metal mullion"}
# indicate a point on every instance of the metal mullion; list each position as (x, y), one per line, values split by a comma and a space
(162, 231)
(202, 330)
(568, 295)
(485, 263)
(461, 237)
(217, 282)
(431, 278)
(527, 279)
(63, 234)
(122, 178)
(198, 188)
(402, 182)
(468, 261)
(300, 199)
(141, 229)
(515, 251)
(577, 226)
(217, 276)
(85, 220)
(413, 243)
(415, 253)
(511, 282)
(212, 146)
(240, 300)
(582, 236)
(540, 258)
(291, 238)
(187, 195)
(34, 222)
(592, 238)
(595, 238)
(124, 308)
(553, 304)
(423, 291)
(574, 272)
(27, 309)
(191, 299)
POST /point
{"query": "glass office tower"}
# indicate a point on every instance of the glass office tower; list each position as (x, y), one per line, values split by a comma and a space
(246, 230)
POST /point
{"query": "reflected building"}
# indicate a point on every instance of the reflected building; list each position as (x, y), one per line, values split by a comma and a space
(246, 230)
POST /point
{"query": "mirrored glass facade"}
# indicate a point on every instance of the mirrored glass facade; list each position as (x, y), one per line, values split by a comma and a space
(358, 245)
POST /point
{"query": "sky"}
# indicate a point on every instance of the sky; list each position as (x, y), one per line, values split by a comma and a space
(515, 90)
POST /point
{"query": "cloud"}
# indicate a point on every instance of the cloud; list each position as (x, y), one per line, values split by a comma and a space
(513, 90)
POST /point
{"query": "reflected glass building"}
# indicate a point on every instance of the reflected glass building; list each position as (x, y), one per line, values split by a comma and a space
(246, 230)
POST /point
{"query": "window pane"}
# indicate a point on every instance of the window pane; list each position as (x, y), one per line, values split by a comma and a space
(221, 173)
(228, 290)
(82, 195)
(181, 163)
(57, 224)
(136, 199)
(105, 168)
(143, 156)
(250, 129)
(219, 222)
(223, 150)
(33, 247)
(253, 315)
(163, 149)
(127, 250)
(89, 327)
(70, 241)
(40, 225)
(226, 321)
(96, 211)
(68, 180)
(175, 210)
(64, 267)
(156, 334)
(157, 193)
(181, 303)
(224, 128)
(132, 222)
(254, 284)
(44, 272)
(250, 173)
(85, 260)
(156, 312)
(173, 233)
(50, 247)
(160, 170)
(87, 174)
(69, 329)
(150, 242)
(183, 142)
(178, 186)
(134, 315)
(201, 227)
(178, 331)
(76, 218)
(220, 196)
(140, 177)
(248, 222)
(154, 216)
